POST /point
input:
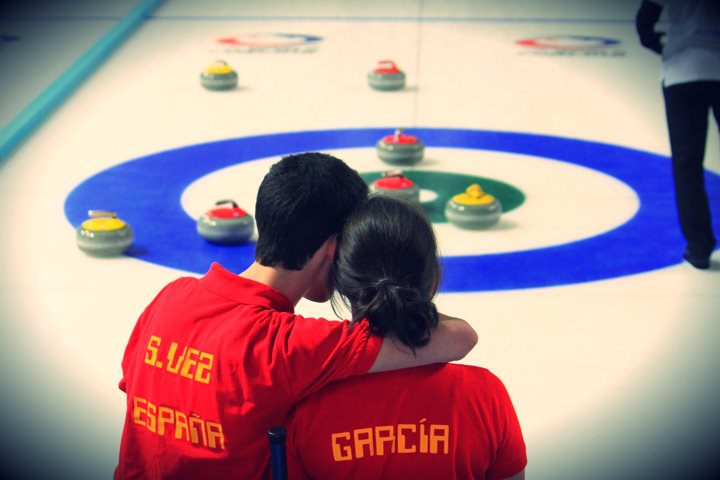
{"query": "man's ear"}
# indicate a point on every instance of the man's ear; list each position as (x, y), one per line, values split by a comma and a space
(332, 247)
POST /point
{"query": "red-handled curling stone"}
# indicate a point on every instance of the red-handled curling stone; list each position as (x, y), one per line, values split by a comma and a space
(226, 225)
(400, 148)
(386, 76)
(395, 184)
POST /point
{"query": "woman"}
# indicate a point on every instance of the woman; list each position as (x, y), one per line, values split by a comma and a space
(438, 421)
(387, 270)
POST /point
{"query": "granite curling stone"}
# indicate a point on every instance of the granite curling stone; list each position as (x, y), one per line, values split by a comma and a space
(219, 76)
(386, 76)
(473, 209)
(104, 234)
(395, 184)
(400, 149)
(228, 225)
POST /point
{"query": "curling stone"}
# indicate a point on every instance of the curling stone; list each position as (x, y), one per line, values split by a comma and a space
(400, 149)
(386, 76)
(473, 209)
(226, 225)
(395, 184)
(219, 76)
(104, 234)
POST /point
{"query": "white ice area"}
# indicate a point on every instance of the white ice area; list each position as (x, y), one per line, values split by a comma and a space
(611, 379)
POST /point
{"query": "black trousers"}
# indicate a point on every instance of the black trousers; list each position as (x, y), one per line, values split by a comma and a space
(687, 109)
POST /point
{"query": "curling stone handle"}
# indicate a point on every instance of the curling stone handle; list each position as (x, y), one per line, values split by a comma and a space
(101, 214)
(228, 200)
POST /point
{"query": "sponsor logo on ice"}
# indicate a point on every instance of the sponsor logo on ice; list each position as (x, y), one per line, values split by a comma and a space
(269, 43)
(571, 46)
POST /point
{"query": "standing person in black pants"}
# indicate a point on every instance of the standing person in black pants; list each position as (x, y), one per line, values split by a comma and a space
(691, 88)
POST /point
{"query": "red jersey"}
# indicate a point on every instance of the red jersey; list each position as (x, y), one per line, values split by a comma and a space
(212, 364)
(439, 421)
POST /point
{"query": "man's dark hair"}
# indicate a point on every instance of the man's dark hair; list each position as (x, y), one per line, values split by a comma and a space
(303, 200)
(387, 269)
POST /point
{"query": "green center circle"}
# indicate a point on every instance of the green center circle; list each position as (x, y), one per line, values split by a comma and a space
(447, 185)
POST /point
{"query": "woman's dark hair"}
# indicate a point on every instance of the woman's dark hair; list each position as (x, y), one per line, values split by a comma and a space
(387, 269)
(303, 200)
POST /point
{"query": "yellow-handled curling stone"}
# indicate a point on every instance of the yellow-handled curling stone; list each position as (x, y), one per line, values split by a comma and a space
(219, 76)
(104, 234)
(473, 209)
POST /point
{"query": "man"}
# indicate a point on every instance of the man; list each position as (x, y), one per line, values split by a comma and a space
(691, 88)
(214, 362)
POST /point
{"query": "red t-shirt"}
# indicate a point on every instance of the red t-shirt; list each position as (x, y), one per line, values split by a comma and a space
(212, 364)
(438, 421)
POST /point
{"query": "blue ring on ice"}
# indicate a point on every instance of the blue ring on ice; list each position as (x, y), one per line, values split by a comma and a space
(146, 193)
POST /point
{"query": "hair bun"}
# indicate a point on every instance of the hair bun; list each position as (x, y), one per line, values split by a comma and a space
(386, 282)
(404, 312)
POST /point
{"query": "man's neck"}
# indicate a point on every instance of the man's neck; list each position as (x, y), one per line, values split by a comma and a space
(288, 282)
(310, 282)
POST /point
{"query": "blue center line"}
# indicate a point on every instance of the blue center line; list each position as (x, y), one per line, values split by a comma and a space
(330, 18)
